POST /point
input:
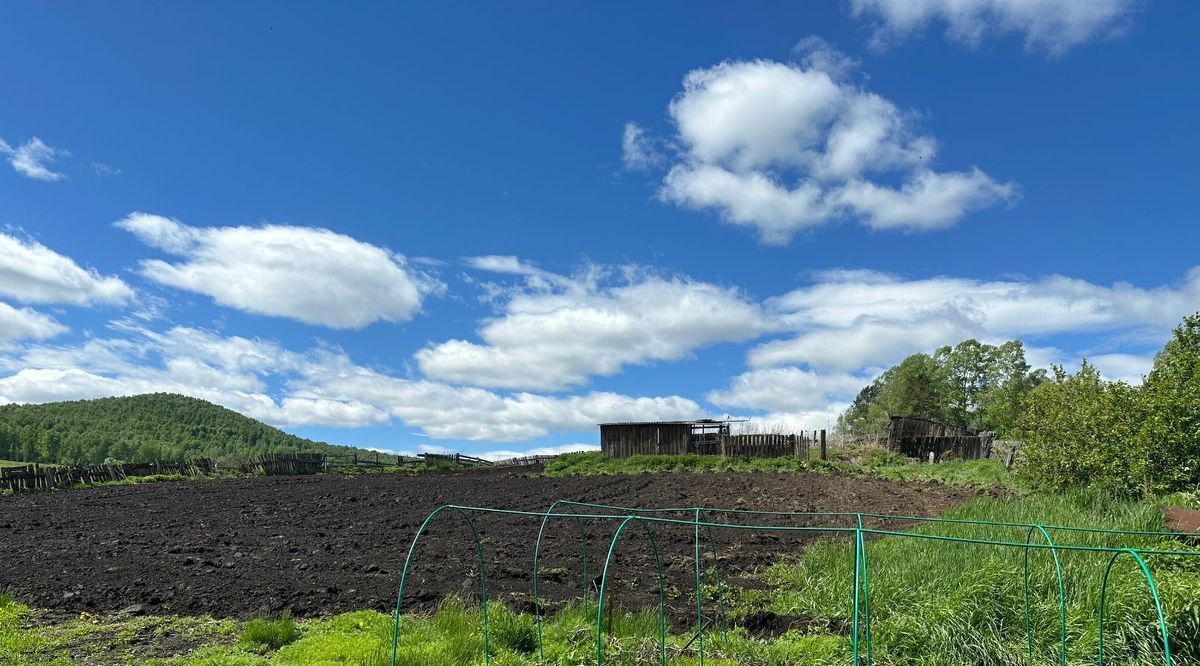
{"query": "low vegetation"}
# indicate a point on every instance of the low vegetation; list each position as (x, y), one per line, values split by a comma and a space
(855, 461)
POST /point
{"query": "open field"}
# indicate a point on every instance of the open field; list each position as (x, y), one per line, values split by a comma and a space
(326, 544)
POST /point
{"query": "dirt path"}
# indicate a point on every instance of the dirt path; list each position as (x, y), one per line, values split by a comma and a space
(320, 545)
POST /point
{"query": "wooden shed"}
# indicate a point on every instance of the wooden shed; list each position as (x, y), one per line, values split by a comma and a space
(618, 440)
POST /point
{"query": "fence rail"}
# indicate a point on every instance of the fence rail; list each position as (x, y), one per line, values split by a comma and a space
(44, 477)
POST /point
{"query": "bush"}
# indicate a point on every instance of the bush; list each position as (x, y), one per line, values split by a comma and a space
(264, 635)
(1084, 431)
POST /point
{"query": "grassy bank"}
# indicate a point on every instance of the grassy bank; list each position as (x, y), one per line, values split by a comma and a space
(862, 462)
(932, 603)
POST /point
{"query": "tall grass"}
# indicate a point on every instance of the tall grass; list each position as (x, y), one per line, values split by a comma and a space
(955, 603)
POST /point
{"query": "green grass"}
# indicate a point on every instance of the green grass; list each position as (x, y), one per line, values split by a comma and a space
(858, 462)
(264, 635)
(950, 603)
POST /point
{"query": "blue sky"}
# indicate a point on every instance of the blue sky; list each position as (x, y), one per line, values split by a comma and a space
(485, 227)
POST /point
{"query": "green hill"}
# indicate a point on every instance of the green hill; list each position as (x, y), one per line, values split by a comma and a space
(156, 426)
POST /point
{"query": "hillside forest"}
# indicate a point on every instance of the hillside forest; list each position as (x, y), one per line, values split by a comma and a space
(157, 426)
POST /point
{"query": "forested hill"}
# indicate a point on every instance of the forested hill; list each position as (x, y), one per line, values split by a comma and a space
(157, 426)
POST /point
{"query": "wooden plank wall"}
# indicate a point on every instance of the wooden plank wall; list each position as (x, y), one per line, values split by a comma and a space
(772, 445)
(964, 447)
(621, 440)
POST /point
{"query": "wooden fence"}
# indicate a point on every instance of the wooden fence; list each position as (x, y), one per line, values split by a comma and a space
(285, 463)
(372, 460)
(799, 446)
(44, 477)
(928, 440)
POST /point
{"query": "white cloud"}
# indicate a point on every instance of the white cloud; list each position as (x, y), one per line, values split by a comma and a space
(22, 323)
(1054, 26)
(849, 320)
(560, 332)
(786, 390)
(784, 147)
(312, 275)
(33, 159)
(850, 325)
(638, 151)
(319, 387)
(928, 201)
(1129, 368)
(816, 53)
(32, 273)
(456, 412)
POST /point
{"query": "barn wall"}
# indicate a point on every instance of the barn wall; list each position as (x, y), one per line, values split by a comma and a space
(619, 441)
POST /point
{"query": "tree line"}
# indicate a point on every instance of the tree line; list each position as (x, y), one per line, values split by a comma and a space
(1078, 428)
(971, 384)
(158, 426)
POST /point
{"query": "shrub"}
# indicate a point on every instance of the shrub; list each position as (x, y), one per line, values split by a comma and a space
(263, 635)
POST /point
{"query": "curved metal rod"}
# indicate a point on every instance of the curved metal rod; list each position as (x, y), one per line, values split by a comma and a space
(1062, 597)
(712, 544)
(857, 591)
(662, 596)
(699, 598)
(487, 652)
(866, 585)
(1162, 619)
(537, 550)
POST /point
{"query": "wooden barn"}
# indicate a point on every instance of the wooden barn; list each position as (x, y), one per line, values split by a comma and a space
(618, 440)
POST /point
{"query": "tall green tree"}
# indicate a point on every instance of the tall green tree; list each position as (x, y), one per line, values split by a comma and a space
(1170, 434)
(971, 384)
(1081, 430)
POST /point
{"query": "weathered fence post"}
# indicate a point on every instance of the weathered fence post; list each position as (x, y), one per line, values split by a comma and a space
(824, 451)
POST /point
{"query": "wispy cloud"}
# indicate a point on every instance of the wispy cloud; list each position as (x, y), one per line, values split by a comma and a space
(1053, 26)
(34, 159)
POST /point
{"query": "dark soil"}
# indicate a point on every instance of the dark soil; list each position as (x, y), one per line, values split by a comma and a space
(326, 544)
(1185, 521)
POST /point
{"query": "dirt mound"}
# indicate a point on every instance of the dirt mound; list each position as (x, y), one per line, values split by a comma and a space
(326, 544)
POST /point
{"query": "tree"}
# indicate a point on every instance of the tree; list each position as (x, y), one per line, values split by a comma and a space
(1079, 430)
(1170, 434)
(918, 386)
(970, 384)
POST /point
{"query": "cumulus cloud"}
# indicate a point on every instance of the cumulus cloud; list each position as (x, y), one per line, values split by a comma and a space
(22, 323)
(1054, 26)
(782, 147)
(33, 159)
(312, 275)
(786, 390)
(471, 413)
(322, 386)
(33, 273)
(562, 331)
